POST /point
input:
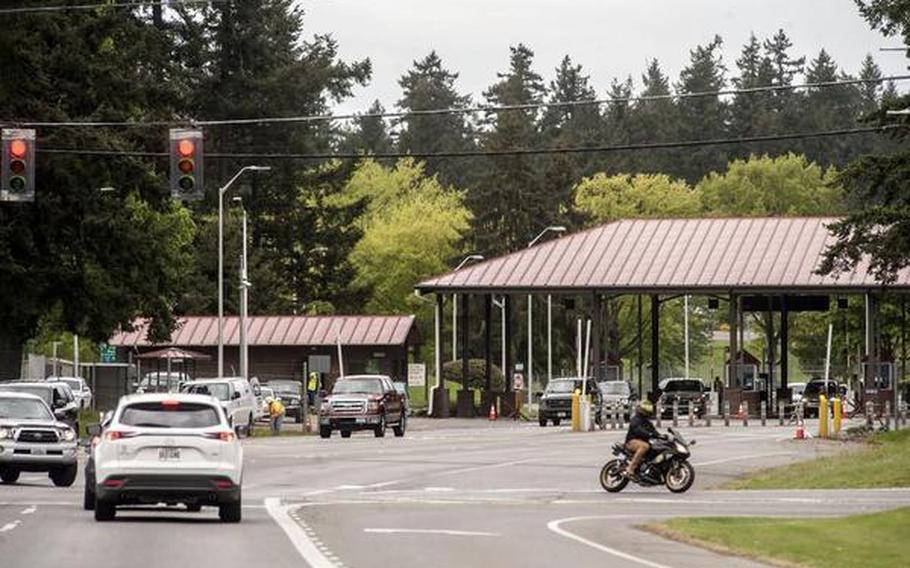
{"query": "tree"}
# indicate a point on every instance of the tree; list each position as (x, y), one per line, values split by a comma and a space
(511, 203)
(369, 134)
(760, 186)
(656, 120)
(703, 116)
(786, 105)
(618, 127)
(429, 86)
(830, 108)
(412, 228)
(602, 198)
(751, 113)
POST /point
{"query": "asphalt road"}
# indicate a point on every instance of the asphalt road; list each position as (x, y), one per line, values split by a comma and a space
(454, 493)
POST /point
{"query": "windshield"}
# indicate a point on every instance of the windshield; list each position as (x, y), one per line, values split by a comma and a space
(620, 388)
(365, 386)
(816, 387)
(74, 384)
(24, 409)
(285, 388)
(37, 390)
(266, 392)
(170, 414)
(563, 386)
(218, 390)
(684, 386)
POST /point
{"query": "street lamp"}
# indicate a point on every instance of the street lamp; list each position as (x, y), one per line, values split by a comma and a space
(559, 229)
(221, 193)
(465, 260)
(244, 296)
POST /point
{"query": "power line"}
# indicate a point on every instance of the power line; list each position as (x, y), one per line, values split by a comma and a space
(481, 153)
(444, 111)
(139, 4)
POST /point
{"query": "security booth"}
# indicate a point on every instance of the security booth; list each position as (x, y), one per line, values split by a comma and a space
(610, 369)
(878, 384)
(742, 382)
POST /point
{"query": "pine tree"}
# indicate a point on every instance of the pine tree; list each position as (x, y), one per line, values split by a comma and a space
(786, 105)
(369, 134)
(870, 93)
(656, 120)
(428, 86)
(618, 125)
(751, 113)
(829, 108)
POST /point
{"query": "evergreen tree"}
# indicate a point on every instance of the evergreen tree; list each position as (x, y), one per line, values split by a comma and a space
(428, 86)
(829, 108)
(617, 124)
(703, 117)
(511, 202)
(369, 134)
(751, 113)
(786, 104)
(655, 120)
(871, 92)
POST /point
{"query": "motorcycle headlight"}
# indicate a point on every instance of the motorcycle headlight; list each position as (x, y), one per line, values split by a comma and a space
(68, 434)
(6, 434)
(681, 448)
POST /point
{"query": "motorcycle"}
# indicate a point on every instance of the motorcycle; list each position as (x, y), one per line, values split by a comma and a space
(666, 463)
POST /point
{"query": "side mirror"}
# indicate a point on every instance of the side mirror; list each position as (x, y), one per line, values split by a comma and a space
(235, 396)
(93, 429)
(59, 413)
(538, 394)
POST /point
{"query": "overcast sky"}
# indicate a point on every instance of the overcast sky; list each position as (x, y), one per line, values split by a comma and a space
(610, 38)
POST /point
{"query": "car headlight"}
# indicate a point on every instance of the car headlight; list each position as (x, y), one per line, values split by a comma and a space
(5, 434)
(68, 434)
(325, 407)
(373, 406)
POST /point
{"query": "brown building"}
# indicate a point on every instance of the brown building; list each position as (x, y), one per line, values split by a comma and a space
(284, 347)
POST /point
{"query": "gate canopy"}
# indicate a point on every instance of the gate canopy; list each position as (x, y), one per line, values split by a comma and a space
(647, 256)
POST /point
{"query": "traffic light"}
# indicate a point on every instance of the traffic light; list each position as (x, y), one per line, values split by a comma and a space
(17, 178)
(186, 164)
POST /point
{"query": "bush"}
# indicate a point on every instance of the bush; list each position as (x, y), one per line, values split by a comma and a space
(451, 371)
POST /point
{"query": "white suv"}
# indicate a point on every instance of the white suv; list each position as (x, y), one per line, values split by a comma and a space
(168, 448)
(236, 397)
(81, 391)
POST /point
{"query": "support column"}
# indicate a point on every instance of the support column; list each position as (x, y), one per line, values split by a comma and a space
(439, 403)
(507, 402)
(732, 358)
(655, 347)
(465, 394)
(596, 333)
(487, 398)
(784, 392)
(639, 342)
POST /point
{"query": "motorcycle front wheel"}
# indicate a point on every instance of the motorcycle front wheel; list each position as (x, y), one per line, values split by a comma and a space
(611, 477)
(680, 477)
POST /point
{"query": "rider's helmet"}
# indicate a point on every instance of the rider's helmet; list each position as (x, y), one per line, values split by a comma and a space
(646, 408)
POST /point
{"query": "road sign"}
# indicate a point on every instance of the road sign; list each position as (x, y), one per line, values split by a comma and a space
(108, 353)
(417, 374)
(518, 381)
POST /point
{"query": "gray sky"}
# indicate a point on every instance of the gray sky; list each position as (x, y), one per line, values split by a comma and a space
(610, 38)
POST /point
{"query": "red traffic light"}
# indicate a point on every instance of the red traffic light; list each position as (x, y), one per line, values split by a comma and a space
(18, 148)
(186, 147)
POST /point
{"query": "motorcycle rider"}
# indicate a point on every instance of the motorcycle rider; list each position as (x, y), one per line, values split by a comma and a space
(638, 439)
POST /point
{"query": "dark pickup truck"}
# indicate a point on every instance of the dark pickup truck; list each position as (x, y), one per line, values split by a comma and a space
(556, 400)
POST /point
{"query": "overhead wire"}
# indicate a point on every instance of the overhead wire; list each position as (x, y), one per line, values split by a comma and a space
(76, 7)
(444, 111)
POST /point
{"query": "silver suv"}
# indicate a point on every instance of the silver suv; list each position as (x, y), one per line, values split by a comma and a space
(32, 439)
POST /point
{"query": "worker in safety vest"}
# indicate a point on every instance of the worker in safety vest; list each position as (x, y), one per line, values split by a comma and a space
(312, 386)
(276, 415)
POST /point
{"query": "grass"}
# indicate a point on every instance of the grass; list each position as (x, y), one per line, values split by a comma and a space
(884, 463)
(267, 433)
(876, 540)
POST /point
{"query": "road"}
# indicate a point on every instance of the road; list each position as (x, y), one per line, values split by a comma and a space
(454, 493)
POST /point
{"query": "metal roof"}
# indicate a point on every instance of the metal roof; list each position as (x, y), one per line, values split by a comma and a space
(202, 331)
(670, 255)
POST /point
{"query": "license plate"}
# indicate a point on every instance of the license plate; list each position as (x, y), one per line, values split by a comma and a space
(165, 454)
(38, 451)
(561, 414)
(361, 420)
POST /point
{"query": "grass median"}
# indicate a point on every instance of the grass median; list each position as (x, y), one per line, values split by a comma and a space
(876, 540)
(884, 462)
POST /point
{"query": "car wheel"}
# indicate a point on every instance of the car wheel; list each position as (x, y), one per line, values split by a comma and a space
(88, 496)
(542, 422)
(402, 424)
(345, 433)
(65, 476)
(194, 507)
(9, 475)
(556, 422)
(380, 429)
(325, 432)
(298, 419)
(104, 510)
(230, 512)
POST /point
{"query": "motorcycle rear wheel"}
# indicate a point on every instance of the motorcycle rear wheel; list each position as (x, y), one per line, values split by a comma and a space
(611, 477)
(680, 477)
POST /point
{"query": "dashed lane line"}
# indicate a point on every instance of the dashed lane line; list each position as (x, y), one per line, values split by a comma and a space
(10, 526)
(29, 510)
(446, 532)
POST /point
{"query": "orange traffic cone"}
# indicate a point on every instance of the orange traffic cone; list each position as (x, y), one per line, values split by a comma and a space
(493, 415)
(800, 433)
(741, 413)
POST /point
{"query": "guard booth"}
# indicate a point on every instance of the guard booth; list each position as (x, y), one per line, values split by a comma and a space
(610, 370)
(878, 384)
(742, 382)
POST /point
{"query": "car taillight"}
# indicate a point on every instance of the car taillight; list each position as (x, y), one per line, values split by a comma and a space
(113, 483)
(114, 435)
(223, 436)
(223, 483)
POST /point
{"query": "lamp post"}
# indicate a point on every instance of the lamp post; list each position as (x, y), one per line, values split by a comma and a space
(551, 229)
(221, 193)
(244, 296)
(465, 260)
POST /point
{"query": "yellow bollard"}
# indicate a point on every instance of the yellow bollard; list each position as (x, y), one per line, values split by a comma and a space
(822, 416)
(837, 416)
(576, 411)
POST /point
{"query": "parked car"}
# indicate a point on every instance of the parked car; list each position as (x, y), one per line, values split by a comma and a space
(289, 392)
(236, 397)
(618, 394)
(690, 394)
(81, 390)
(796, 392)
(814, 388)
(32, 439)
(57, 396)
(402, 388)
(168, 448)
(362, 402)
(556, 400)
(161, 382)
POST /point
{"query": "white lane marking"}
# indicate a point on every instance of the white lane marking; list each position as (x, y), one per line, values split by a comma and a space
(554, 526)
(298, 537)
(742, 458)
(447, 532)
(438, 489)
(10, 526)
(29, 510)
(481, 467)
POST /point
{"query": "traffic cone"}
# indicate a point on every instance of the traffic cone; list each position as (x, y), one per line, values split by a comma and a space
(800, 433)
(493, 414)
(741, 413)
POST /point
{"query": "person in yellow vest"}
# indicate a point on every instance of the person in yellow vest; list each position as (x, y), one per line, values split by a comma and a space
(311, 387)
(276, 415)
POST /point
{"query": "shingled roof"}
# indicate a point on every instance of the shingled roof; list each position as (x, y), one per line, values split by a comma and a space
(671, 255)
(202, 331)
